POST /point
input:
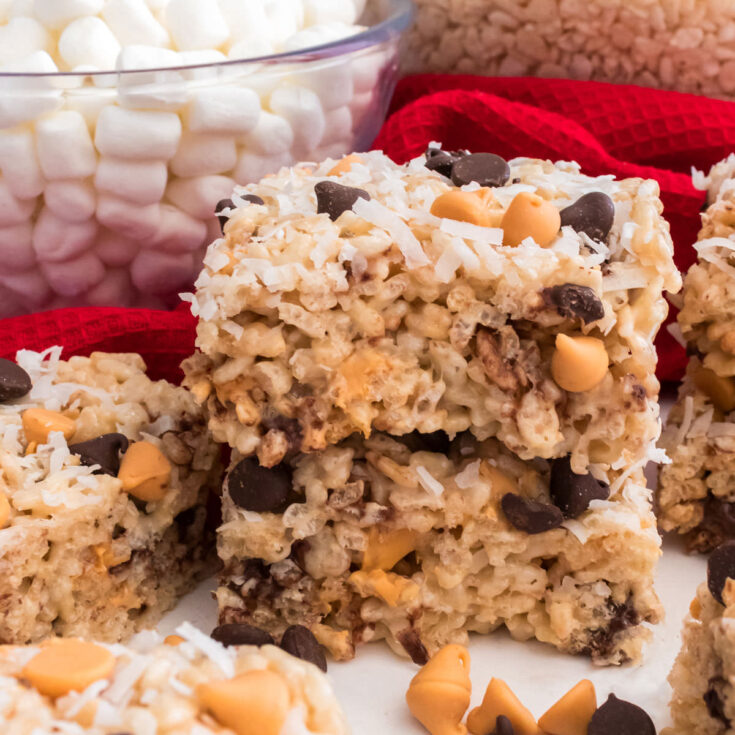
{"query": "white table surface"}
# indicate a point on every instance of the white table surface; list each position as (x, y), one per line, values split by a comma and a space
(371, 688)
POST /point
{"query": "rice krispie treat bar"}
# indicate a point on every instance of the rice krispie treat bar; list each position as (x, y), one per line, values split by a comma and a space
(189, 685)
(696, 491)
(703, 677)
(104, 479)
(666, 44)
(417, 541)
(517, 300)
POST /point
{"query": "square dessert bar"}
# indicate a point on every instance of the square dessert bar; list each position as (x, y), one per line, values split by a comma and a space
(439, 382)
(703, 676)
(520, 305)
(188, 684)
(418, 541)
(696, 495)
(104, 478)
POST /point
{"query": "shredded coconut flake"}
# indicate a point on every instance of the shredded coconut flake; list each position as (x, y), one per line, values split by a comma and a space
(428, 481)
(379, 215)
(213, 650)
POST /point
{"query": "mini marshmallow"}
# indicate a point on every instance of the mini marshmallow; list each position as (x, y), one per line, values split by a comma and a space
(126, 218)
(200, 154)
(5, 6)
(366, 70)
(324, 11)
(360, 106)
(252, 167)
(16, 248)
(286, 17)
(115, 250)
(56, 240)
(338, 124)
(156, 6)
(163, 273)
(204, 58)
(13, 211)
(65, 148)
(22, 37)
(142, 182)
(199, 195)
(88, 102)
(72, 200)
(196, 24)
(179, 232)
(137, 133)
(55, 14)
(251, 48)
(303, 110)
(231, 110)
(132, 22)
(25, 98)
(30, 287)
(74, 277)
(245, 19)
(157, 90)
(332, 81)
(115, 289)
(88, 42)
(21, 8)
(271, 136)
(19, 163)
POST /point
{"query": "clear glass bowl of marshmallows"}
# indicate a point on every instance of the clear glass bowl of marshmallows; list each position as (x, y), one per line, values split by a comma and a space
(124, 122)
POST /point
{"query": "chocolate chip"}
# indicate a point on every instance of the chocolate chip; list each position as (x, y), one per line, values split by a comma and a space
(333, 198)
(442, 161)
(241, 634)
(503, 726)
(529, 515)
(572, 493)
(486, 169)
(436, 441)
(713, 700)
(592, 214)
(575, 302)
(257, 488)
(105, 451)
(300, 642)
(229, 204)
(618, 717)
(720, 568)
(14, 381)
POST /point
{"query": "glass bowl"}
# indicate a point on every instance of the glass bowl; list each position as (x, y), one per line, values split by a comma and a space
(110, 179)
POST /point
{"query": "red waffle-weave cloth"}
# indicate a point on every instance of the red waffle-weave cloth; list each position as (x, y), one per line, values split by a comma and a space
(618, 129)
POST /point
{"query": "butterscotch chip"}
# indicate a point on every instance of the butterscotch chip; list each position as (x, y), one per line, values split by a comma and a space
(344, 165)
(4, 511)
(528, 215)
(439, 694)
(68, 665)
(572, 713)
(254, 703)
(579, 363)
(500, 700)
(38, 423)
(385, 550)
(145, 471)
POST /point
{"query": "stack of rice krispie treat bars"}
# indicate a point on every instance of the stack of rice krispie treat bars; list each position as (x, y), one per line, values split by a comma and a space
(438, 382)
(696, 495)
(104, 480)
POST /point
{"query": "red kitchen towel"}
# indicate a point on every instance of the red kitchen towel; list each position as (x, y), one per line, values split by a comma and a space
(624, 130)
(163, 338)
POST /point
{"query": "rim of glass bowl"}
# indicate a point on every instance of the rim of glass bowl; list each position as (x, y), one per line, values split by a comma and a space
(397, 17)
